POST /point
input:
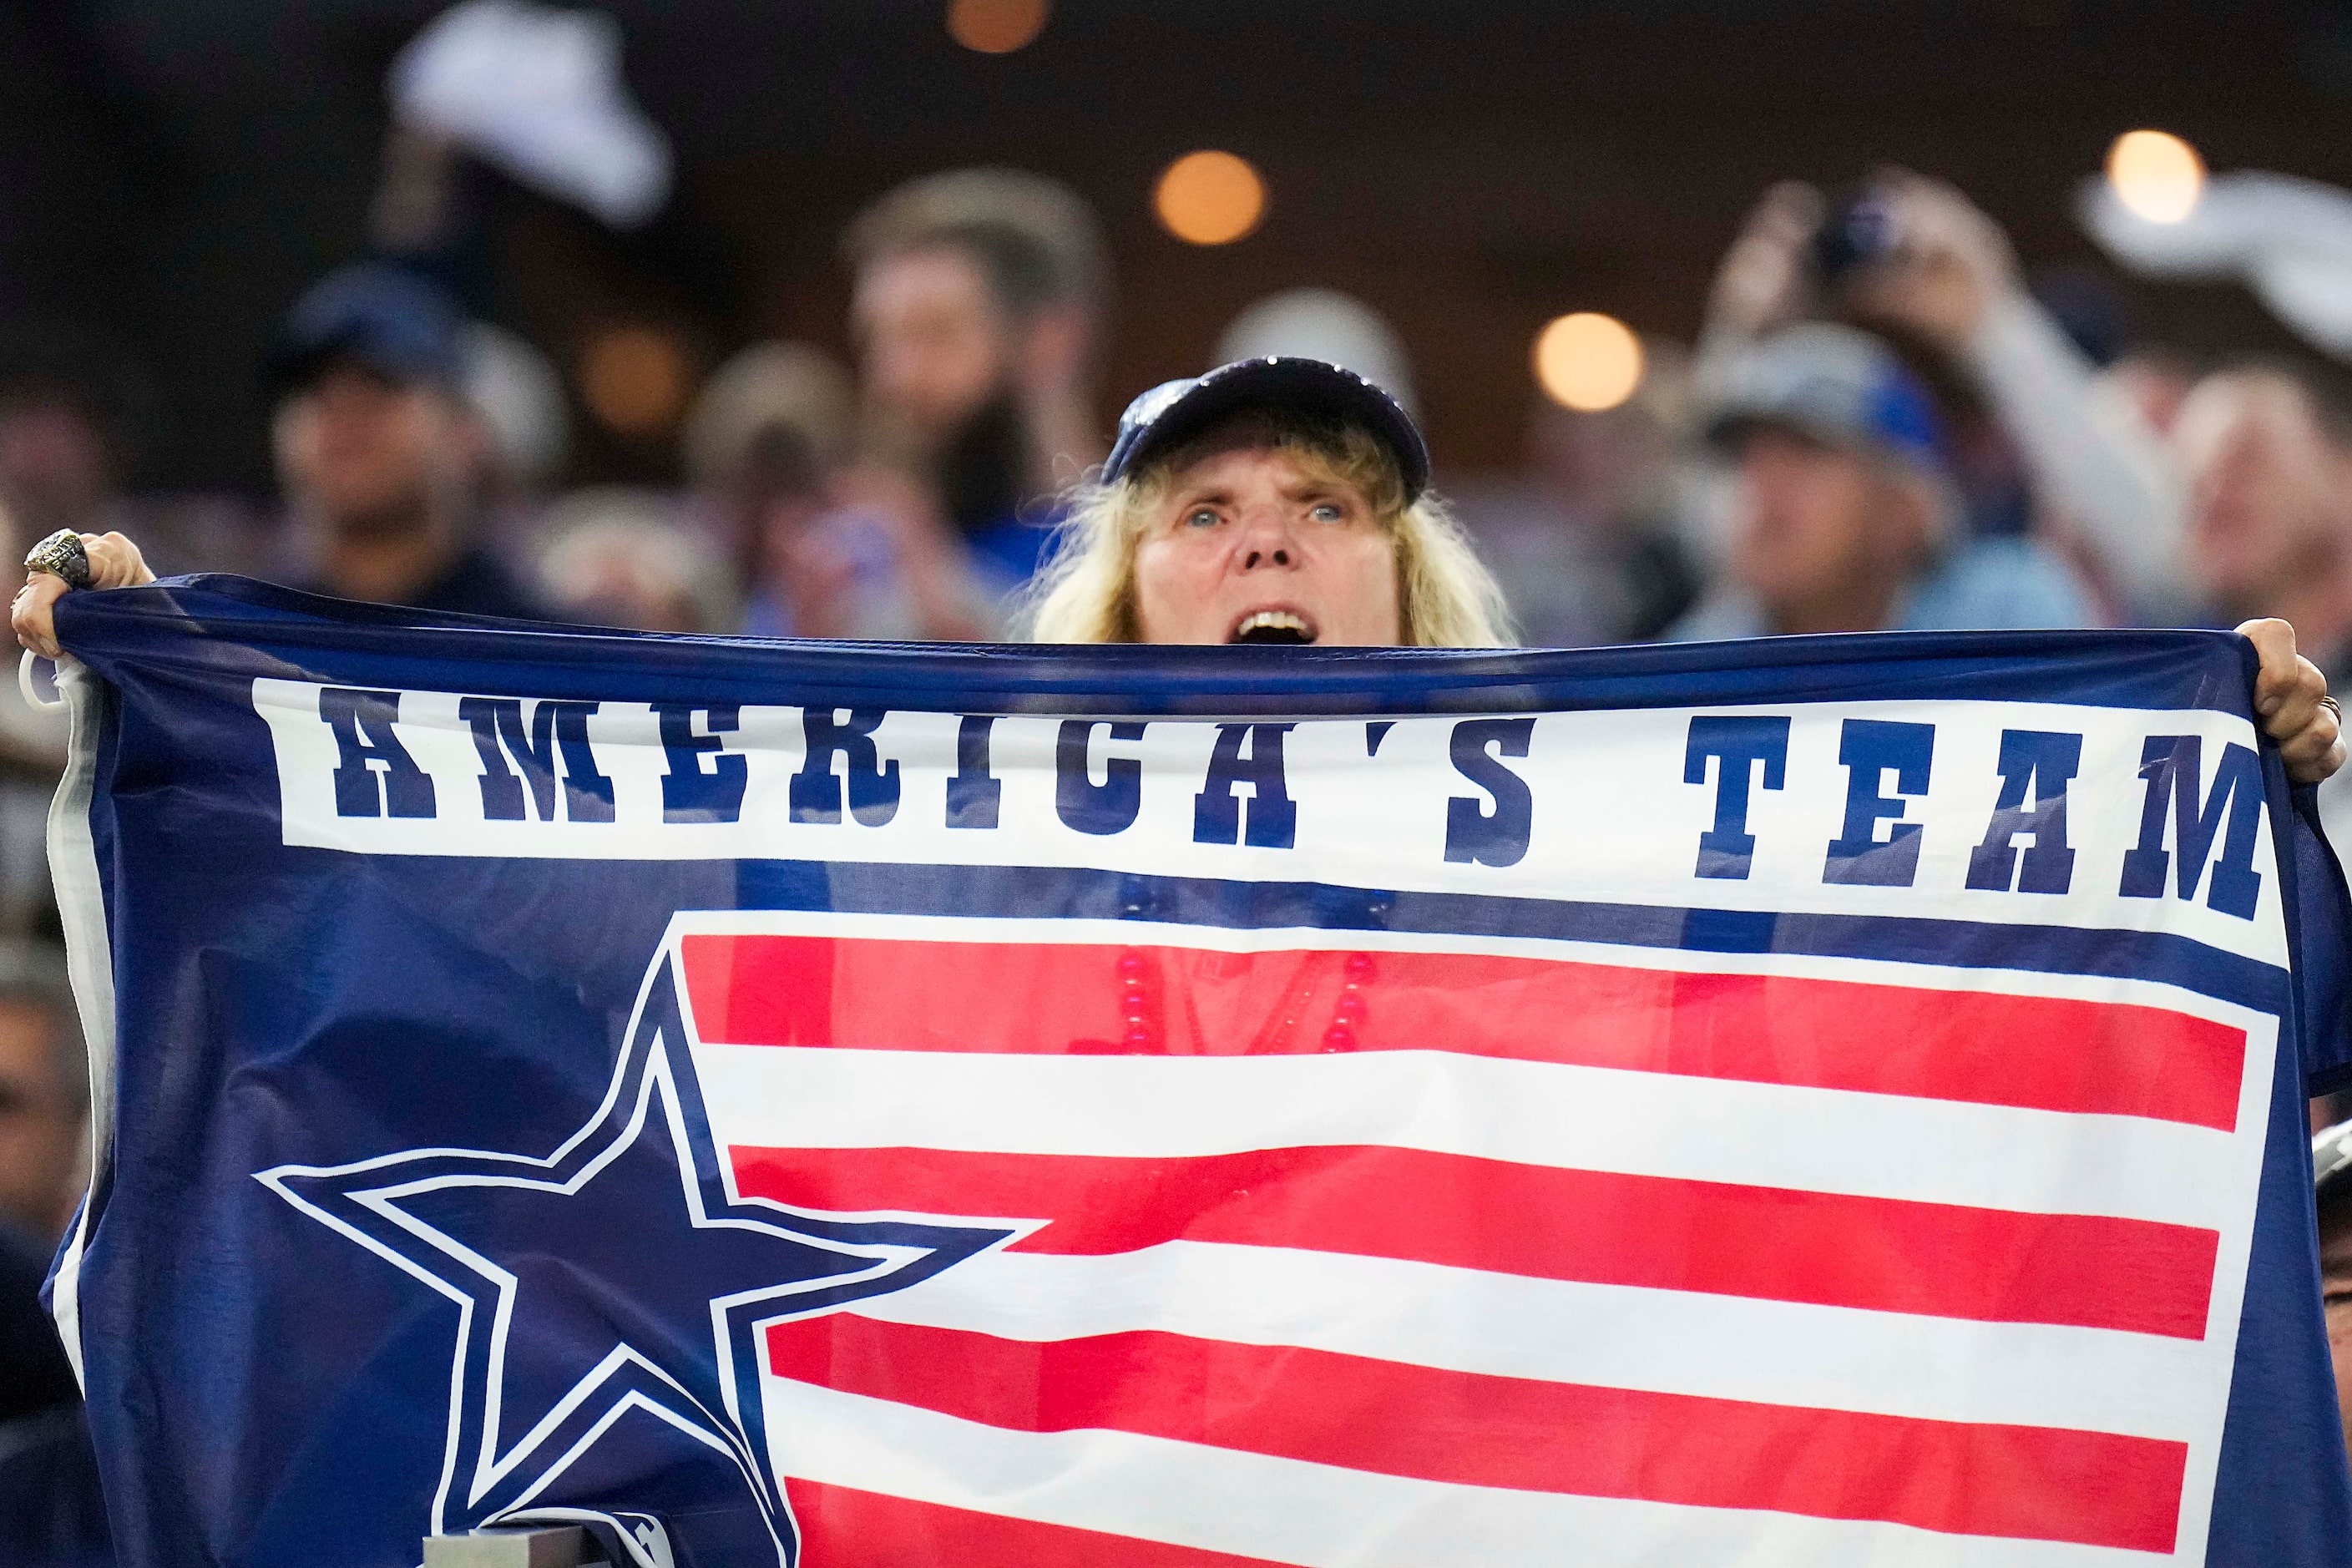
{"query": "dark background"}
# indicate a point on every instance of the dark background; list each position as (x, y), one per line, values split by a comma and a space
(171, 171)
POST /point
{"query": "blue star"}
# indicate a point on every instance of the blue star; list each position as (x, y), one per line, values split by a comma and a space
(610, 1302)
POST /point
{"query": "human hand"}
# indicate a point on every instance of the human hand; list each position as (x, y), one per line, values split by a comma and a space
(2288, 692)
(1765, 279)
(114, 562)
(1947, 265)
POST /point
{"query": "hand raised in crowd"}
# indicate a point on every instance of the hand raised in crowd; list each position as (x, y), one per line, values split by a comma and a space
(1946, 265)
(2291, 700)
(1765, 280)
(114, 562)
(948, 603)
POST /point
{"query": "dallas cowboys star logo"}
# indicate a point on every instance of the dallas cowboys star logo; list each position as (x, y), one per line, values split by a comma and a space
(610, 1301)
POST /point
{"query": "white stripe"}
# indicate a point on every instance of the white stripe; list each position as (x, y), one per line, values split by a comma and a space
(1666, 1341)
(89, 965)
(1321, 1516)
(1535, 1113)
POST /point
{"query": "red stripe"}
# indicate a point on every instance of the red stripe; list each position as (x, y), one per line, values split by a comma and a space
(2035, 1482)
(2112, 1058)
(842, 1527)
(1879, 1253)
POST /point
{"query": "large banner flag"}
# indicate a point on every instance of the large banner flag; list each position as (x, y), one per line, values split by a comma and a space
(1811, 1101)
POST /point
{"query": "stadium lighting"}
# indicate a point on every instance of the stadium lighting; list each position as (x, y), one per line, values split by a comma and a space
(996, 27)
(1209, 198)
(2156, 176)
(1587, 362)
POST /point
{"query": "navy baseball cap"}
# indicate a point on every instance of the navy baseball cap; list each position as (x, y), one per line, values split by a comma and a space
(1842, 388)
(403, 327)
(1175, 411)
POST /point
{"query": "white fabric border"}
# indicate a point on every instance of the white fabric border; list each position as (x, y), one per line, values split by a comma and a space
(89, 960)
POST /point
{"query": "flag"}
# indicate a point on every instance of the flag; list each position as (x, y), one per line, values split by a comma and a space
(1802, 1102)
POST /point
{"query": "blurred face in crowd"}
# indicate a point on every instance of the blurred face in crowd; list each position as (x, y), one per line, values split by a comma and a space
(370, 456)
(2336, 1294)
(40, 1122)
(2268, 508)
(1255, 542)
(2155, 385)
(935, 346)
(1825, 537)
(53, 468)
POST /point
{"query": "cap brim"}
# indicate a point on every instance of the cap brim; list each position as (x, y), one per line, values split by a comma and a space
(1726, 424)
(293, 366)
(1305, 386)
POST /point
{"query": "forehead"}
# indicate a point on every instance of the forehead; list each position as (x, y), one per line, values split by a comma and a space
(930, 278)
(2228, 406)
(1783, 443)
(346, 380)
(1241, 457)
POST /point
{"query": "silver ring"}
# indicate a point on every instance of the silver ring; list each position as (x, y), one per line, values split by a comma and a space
(61, 555)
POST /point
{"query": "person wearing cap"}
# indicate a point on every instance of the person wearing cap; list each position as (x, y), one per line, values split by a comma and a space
(1271, 502)
(1845, 515)
(377, 447)
(1912, 258)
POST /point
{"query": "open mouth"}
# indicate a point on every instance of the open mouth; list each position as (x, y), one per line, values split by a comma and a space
(1272, 626)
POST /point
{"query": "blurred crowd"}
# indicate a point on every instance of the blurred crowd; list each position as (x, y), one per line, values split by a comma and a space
(1881, 427)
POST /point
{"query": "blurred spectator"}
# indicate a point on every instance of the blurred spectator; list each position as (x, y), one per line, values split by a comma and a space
(56, 463)
(379, 451)
(2151, 382)
(1845, 518)
(976, 307)
(1325, 324)
(51, 1515)
(2331, 1162)
(827, 549)
(1912, 257)
(2266, 452)
(766, 433)
(44, 1091)
(619, 557)
(1589, 544)
(73, 413)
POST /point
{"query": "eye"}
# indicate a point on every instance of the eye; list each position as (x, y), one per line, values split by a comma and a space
(1202, 517)
(1329, 512)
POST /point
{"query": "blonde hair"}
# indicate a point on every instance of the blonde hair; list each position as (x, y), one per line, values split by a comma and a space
(1445, 596)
